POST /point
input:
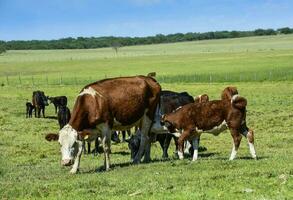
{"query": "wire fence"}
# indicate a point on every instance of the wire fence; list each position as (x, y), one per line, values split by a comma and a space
(37, 80)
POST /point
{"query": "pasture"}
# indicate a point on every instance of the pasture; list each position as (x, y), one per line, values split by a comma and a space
(30, 166)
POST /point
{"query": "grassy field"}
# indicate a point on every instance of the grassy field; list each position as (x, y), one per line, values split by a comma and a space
(29, 165)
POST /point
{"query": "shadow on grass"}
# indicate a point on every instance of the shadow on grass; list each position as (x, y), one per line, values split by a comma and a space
(156, 160)
(250, 158)
(123, 153)
(51, 117)
(243, 158)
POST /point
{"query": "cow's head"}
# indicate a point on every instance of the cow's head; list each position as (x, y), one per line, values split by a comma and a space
(228, 93)
(133, 144)
(165, 122)
(67, 138)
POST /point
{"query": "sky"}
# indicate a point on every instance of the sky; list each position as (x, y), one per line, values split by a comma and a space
(54, 19)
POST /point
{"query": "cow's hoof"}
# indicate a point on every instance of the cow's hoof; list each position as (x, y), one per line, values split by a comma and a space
(135, 162)
(73, 171)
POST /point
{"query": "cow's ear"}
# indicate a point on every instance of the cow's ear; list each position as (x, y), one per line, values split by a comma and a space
(52, 136)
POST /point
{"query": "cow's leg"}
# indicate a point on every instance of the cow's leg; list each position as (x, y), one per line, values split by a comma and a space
(236, 142)
(89, 147)
(106, 145)
(43, 111)
(96, 146)
(187, 146)
(166, 145)
(75, 166)
(55, 108)
(182, 138)
(250, 139)
(83, 146)
(36, 112)
(147, 154)
(144, 142)
(123, 136)
(195, 144)
(39, 112)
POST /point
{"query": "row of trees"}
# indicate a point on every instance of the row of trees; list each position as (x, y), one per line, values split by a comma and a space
(115, 42)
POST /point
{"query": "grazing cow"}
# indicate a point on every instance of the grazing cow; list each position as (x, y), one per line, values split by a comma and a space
(106, 105)
(212, 117)
(58, 101)
(169, 101)
(29, 109)
(39, 102)
(63, 116)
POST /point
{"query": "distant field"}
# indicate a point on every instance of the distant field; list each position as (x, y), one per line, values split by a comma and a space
(256, 58)
(260, 67)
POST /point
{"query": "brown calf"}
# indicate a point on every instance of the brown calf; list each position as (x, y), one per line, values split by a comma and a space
(212, 117)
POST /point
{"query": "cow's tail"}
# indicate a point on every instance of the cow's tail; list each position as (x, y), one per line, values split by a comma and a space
(238, 102)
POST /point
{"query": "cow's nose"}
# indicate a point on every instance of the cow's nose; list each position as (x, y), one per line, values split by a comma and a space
(66, 162)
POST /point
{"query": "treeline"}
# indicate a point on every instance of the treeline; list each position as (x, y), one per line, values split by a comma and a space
(115, 42)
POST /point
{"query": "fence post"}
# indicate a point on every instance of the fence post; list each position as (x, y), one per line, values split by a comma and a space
(47, 79)
(33, 82)
(255, 76)
(210, 78)
(7, 79)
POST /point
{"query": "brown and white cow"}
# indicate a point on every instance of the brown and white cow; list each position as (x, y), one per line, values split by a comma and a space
(212, 117)
(110, 104)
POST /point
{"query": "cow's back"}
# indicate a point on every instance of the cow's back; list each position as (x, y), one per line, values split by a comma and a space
(127, 98)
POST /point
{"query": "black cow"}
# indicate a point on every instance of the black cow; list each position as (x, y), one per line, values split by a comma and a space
(58, 101)
(29, 109)
(39, 102)
(63, 116)
(169, 101)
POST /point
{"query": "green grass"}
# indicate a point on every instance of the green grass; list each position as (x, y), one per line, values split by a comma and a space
(29, 165)
(257, 58)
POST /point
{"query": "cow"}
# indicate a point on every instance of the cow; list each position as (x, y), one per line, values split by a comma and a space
(39, 101)
(63, 116)
(106, 105)
(169, 101)
(29, 109)
(212, 117)
(58, 101)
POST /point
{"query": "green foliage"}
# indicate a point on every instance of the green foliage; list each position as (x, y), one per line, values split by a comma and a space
(99, 42)
(285, 30)
(2, 47)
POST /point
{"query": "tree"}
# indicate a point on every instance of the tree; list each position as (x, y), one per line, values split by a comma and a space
(285, 30)
(2, 47)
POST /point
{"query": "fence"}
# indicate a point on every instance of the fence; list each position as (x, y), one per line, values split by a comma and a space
(36, 80)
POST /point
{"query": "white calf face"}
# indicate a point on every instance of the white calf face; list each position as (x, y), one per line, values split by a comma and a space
(69, 147)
